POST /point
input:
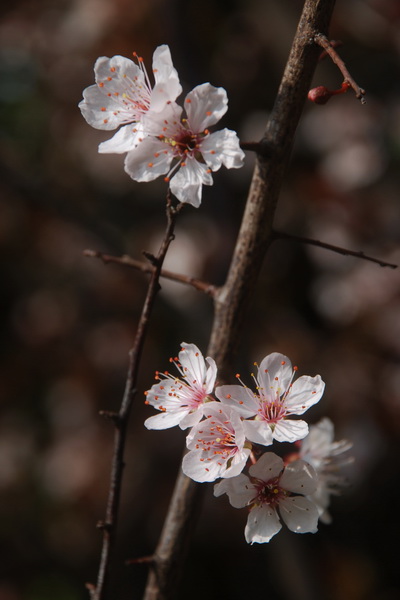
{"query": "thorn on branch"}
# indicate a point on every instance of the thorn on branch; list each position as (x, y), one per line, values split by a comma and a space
(151, 258)
(113, 416)
(91, 589)
(103, 526)
(329, 48)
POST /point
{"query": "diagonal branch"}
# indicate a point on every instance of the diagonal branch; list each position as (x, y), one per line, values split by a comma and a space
(358, 254)
(231, 301)
(120, 419)
(125, 260)
(323, 41)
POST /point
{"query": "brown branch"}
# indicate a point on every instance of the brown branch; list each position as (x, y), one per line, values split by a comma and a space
(337, 249)
(231, 301)
(120, 419)
(323, 41)
(127, 261)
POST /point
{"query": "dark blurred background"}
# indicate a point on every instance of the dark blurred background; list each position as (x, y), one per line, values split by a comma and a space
(68, 321)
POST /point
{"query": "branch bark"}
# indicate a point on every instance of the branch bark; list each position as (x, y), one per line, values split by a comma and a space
(232, 299)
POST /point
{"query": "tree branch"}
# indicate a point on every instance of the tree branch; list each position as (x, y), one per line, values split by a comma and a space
(231, 301)
(120, 419)
(288, 236)
(127, 261)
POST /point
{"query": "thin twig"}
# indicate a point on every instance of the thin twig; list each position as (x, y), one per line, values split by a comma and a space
(323, 41)
(125, 260)
(120, 419)
(337, 249)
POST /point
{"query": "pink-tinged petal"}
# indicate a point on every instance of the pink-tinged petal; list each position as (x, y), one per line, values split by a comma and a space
(237, 464)
(193, 363)
(164, 420)
(258, 432)
(262, 524)
(305, 392)
(192, 418)
(241, 398)
(268, 466)
(148, 160)
(211, 374)
(289, 430)
(167, 85)
(205, 105)
(222, 148)
(299, 514)
(187, 184)
(239, 490)
(126, 138)
(198, 469)
(300, 478)
(274, 375)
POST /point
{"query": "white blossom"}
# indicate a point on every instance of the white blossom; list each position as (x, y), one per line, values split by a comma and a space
(327, 457)
(182, 400)
(187, 143)
(123, 94)
(270, 491)
(267, 411)
(217, 445)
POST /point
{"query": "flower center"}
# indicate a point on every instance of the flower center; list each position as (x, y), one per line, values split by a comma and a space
(271, 411)
(270, 492)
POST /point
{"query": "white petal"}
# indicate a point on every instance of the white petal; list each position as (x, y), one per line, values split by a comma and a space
(268, 466)
(274, 374)
(193, 363)
(262, 524)
(120, 96)
(211, 374)
(126, 138)
(167, 85)
(240, 397)
(117, 73)
(237, 464)
(164, 420)
(148, 160)
(299, 514)
(289, 430)
(205, 105)
(239, 489)
(166, 123)
(222, 148)
(192, 418)
(300, 478)
(200, 470)
(258, 432)
(186, 185)
(98, 109)
(305, 392)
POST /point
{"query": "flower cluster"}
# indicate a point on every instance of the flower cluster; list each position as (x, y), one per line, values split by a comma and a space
(231, 425)
(153, 132)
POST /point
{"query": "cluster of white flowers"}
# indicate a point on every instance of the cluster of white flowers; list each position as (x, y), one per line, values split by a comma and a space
(230, 425)
(153, 133)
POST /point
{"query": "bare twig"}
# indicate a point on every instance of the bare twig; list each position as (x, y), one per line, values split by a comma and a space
(120, 419)
(323, 41)
(231, 301)
(198, 284)
(288, 236)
